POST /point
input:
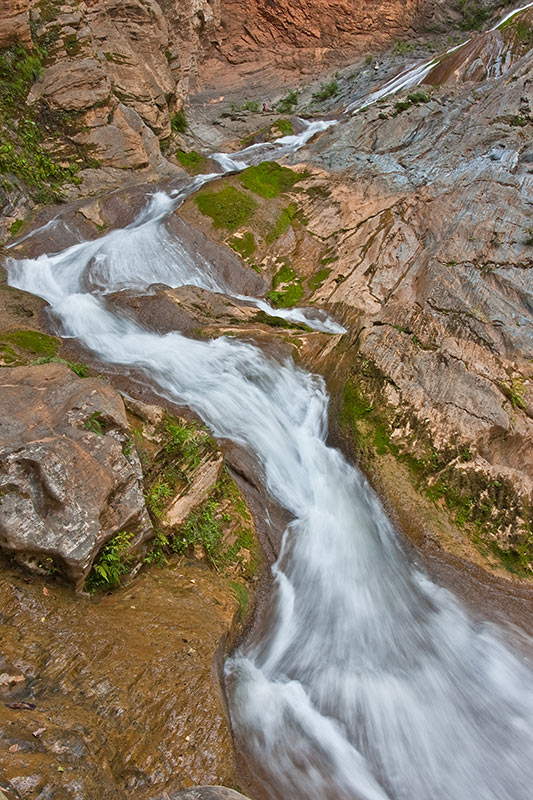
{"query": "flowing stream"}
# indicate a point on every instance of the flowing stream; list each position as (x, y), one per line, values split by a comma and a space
(368, 681)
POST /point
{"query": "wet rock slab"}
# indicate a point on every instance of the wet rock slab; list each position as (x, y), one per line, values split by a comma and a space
(117, 697)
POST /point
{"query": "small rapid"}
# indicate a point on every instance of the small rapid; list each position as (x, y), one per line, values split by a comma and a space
(367, 681)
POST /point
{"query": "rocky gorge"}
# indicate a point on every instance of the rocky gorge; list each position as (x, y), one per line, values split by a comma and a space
(408, 222)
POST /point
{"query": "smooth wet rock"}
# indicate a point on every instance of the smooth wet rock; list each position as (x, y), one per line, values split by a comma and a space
(125, 685)
(207, 793)
(66, 485)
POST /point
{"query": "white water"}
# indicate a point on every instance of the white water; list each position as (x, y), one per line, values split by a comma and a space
(369, 682)
(414, 75)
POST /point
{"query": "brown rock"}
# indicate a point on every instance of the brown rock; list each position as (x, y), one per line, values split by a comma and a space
(14, 22)
(129, 710)
(67, 486)
(73, 85)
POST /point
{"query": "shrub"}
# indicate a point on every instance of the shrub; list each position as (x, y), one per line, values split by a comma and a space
(326, 91)
(474, 14)
(178, 122)
(288, 103)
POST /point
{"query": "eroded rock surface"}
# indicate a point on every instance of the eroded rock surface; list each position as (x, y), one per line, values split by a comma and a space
(425, 207)
(67, 485)
(115, 698)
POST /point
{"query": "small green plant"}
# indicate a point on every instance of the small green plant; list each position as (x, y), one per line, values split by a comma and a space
(288, 103)
(326, 91)
(79, 369)
(96, 423)
(250, 105)
(204, 528)
(71, 44)
(401, 48)
(158, 496)
(178, 122)
(183, 442)
(514, 391)
(419, 97)
(157, 552)
(518, 121)
(111, 564)
(529, 237)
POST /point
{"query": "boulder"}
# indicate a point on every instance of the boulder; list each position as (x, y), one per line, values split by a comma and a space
(69, 478)
(207, 793)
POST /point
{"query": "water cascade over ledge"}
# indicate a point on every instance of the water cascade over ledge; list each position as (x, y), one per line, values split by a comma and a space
(368, 681)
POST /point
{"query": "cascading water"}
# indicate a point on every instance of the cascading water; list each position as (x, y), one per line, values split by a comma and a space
(368, 681)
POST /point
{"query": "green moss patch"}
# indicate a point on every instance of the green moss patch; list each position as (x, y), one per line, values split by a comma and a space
(288, 297)
(287, 289)
(285, 274)
(284, 126)
(269, 179)
(316, 280)
(32, 342)
(192, 161)
(229, 208)
(283, 222)
(243, 245)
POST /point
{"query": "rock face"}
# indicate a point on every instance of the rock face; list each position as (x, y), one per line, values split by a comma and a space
(66, 484)
(426, 214)
(15, 22)
(310, 34)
